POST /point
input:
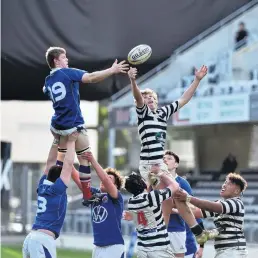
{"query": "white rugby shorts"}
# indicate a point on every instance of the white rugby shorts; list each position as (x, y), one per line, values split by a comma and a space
(114, 251)
(40, 245)
(68, 131)
(145, 169)
(177, 242)
(163, 253)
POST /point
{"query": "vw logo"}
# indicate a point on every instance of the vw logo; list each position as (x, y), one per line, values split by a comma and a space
(99, 214)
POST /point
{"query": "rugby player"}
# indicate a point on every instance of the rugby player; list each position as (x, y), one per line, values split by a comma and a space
(52, 202)
(62, 87)
(106, 210)
(228, 214)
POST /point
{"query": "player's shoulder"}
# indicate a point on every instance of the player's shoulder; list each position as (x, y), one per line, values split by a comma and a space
(183, 183)
(182, 180)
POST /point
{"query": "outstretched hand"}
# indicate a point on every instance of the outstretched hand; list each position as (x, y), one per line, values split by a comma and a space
(121, 67)
(199, 74)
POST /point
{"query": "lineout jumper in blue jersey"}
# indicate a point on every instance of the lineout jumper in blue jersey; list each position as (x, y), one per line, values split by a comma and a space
(52, 203)
(106, 219)
(176, 223)
(62, 87)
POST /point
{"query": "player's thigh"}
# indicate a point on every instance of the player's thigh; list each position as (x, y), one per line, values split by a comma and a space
(114, 251)
(63, 142)
(177, 242)
(144, 171)
(82, 142)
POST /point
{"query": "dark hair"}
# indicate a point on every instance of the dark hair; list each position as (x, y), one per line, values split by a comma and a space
(171, 153)
(135, 184)
(116, 174)
(54, 173)
(237, 180)
(52, 54)
(242, 23)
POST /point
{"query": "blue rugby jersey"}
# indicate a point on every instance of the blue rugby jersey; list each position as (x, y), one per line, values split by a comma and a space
(106, 219)
(62, 87)
(52, 204)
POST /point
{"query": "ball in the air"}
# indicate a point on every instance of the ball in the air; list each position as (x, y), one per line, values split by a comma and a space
(139, 54)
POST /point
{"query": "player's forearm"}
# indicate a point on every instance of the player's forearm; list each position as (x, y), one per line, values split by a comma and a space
(136, 93)
(100, 75)
(188, 94)
(206, 205)
(100, 171)
(76, 178)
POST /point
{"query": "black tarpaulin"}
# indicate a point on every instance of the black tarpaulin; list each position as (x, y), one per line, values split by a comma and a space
(94, 34)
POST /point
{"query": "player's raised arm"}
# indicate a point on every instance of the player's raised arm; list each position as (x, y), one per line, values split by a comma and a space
(98, 76)
(52, 156)
(135, 89)
(103, 176)
(188, 94)
(69, 158)
(211, 206)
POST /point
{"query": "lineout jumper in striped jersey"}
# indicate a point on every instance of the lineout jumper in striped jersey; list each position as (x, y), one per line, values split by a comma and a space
(152, 129)
(232, 220)
(151, 229)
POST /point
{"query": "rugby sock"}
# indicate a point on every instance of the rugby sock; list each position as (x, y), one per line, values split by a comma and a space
(85, 179)
(59, 163)
(197, 230)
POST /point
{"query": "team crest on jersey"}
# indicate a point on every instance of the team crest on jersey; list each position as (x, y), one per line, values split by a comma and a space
(160, 137)
(105, 199)
(99, 214)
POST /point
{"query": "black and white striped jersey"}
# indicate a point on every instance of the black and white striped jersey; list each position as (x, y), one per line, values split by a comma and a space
(152, 129)
(151, 229)
(232, 220)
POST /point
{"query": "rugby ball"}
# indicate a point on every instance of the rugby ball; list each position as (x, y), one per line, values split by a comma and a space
(139, 54)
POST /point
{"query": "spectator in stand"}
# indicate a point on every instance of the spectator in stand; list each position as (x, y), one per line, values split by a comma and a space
(241, 36)
(229, 165)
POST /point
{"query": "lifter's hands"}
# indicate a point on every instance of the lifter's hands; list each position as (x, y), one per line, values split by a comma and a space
(132, 73)
(119, 67)
(88, 156)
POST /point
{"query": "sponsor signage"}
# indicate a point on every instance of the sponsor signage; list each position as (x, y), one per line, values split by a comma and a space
(214, 110)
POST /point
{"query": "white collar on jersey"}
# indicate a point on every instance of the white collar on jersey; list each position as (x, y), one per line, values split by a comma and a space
(55, 69)
(47, 182)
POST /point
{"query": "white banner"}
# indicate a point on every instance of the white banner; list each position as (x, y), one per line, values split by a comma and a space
(214, 110)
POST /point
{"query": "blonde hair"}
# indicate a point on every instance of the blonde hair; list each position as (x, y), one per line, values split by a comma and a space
(151, 92)
(118, 178)
(53, 53)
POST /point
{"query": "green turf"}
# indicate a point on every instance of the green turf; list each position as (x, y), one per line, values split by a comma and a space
(16, 252)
